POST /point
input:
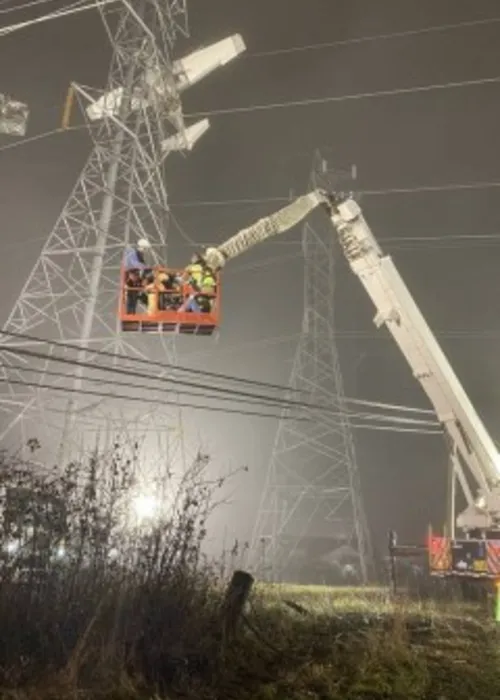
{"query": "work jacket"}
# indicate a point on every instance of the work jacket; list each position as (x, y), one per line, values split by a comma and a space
(195, 271)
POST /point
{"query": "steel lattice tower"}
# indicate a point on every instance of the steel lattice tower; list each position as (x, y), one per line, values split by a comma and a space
(71, 295)
(311, 499)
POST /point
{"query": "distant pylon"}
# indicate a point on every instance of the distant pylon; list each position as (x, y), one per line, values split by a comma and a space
(71, 295)
(311, 521)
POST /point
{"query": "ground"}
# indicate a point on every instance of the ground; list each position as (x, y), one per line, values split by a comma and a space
(358, 644)
(315, 642)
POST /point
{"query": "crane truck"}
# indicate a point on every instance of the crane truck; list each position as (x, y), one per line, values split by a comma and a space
(472, 452)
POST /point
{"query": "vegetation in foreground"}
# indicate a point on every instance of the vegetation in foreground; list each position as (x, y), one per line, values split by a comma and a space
(137, 614)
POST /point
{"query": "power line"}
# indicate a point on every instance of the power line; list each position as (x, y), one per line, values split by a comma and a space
(284, 403)
(225, 377)
(106, 395)
(128, 398)
(374, 37)
(34, 3)
(73, 9)
(351, 416)
(446, 187)
(138, 360)
(345, 98)
(39, 137)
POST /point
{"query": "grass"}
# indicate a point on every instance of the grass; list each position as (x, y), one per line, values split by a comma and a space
(148, 623)
(357, 644)
(296, 643)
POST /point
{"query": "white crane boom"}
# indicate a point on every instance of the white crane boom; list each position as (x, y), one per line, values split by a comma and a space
(471, 447)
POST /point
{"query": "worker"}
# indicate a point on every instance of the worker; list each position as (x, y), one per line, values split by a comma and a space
(152, 291)
(194, 271)
(134, 289)
(170, 293)
(134, 256)
(135, 269)
(207, 287)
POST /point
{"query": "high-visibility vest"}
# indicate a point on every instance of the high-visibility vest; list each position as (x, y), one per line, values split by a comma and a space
(152, 294)
(208, 283)
(196, 272)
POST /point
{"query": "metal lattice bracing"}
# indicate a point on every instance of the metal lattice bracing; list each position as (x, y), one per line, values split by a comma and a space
(311, 514)
(71, 294)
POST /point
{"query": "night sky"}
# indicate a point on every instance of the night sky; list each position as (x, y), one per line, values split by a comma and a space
(404, 141)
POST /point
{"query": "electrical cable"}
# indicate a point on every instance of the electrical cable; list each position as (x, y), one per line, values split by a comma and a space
(126, 398)
(39, 137)
(163, 366)
(4, 31)
(35, 3)
(447, 187)
(433, 87)
(374, 37)
(368, 426)
(179, 404)
(278, 402)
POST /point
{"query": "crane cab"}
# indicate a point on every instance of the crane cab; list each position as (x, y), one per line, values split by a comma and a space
(165, 302)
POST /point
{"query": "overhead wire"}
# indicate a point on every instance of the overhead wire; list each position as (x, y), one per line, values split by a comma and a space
(42, 135)
(284, 403)
(72, 10)
(428, 242)
(128, 398)
(446, 187)
(286, 104)
(374, 37)
(181, 404)
(36, 3)
(269, 403)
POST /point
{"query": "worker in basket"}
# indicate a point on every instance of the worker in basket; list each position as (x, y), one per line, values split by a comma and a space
(199, 285)
(169, 286)
(208, 284)
(136, 271)
(194, 271)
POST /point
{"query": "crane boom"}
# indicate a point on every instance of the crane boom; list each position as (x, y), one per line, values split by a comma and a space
(470, 444)
(471, 447)
(279, 222)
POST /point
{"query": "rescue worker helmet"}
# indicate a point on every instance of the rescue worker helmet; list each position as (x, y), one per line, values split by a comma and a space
(143, 244)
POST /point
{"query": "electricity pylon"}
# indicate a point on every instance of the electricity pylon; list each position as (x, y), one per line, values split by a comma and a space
(311, 515)
(71, 295)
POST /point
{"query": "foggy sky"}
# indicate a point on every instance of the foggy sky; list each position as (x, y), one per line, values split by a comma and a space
(396, 142)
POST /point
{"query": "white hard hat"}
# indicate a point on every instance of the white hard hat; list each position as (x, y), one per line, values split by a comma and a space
(143, 244)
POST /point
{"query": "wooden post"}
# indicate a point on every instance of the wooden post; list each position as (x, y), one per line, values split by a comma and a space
(392, 562)
(237, 594)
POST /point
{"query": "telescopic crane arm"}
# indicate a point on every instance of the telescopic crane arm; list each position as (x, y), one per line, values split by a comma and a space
(280, 222)
(471, 447)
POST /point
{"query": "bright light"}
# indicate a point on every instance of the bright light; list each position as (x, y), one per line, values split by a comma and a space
(60, 552)
(145, 507)
(481, 502)
(12, 547)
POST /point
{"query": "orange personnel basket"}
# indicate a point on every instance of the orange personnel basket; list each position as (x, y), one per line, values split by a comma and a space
(165, 302)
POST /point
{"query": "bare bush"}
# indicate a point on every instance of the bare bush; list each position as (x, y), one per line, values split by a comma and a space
(88, 589)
